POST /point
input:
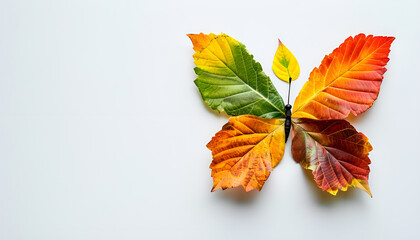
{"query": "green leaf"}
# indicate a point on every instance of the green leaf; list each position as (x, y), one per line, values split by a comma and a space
(230, 80)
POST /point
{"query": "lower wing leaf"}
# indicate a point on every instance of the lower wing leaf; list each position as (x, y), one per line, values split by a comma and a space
(245, 152)
(335, 152)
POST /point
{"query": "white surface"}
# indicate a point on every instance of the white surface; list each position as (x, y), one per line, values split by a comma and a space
(103, 133)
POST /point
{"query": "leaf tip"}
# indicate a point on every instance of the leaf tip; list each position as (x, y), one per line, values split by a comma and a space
(391, 38)
(367, 190)
(361, 184)
(365, 187)
(199, 41)
(190, 36)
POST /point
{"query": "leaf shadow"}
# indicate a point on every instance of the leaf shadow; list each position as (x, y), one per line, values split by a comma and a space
(325, 198)
(238, 195)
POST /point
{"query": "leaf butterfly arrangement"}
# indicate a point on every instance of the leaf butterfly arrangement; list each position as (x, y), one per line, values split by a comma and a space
(253, 141)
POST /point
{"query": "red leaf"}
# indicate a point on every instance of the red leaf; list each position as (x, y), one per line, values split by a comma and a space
(348, 80)
(335, 152)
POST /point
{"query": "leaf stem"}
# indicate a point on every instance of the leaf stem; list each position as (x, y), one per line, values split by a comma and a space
(288, 95)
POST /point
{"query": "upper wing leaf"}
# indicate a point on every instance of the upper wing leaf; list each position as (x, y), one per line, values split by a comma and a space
(335, 152)
(285, 65)
(245, 152)
(348, 80)
(230, 80)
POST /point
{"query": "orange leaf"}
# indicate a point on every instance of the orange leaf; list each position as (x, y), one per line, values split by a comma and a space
(335, 152)
(245, 152)
(348, 80)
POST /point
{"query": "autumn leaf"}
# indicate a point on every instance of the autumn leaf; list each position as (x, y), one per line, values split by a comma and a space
(229, 79)
(248, 147)
(335, 152)
(285, 65)
(245, 152)
(348, 80)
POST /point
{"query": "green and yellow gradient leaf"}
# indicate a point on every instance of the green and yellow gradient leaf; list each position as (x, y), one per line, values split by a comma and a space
(285, 65)
(335, 152)
(230, 80)
(245, 152)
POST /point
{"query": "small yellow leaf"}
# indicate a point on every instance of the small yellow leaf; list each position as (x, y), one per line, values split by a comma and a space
(285, 65)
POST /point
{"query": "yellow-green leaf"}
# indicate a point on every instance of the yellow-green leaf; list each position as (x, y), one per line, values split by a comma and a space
(285, 65)
(230, 80)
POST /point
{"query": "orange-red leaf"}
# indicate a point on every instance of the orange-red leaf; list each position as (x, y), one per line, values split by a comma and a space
(335, 152)
(348, 80)
(245, 152)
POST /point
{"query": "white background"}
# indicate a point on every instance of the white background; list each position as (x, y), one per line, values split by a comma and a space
(103, 133)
